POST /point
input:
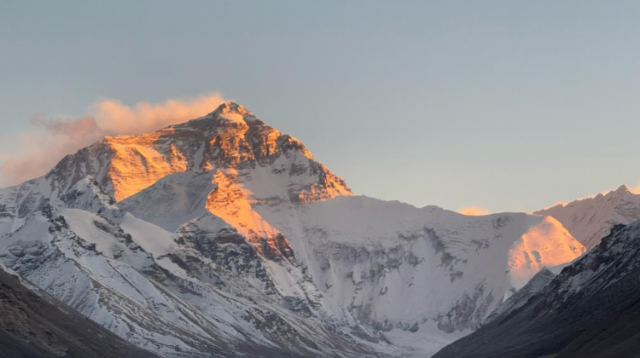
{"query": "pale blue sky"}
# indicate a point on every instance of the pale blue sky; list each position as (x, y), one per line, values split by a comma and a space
(511, 105)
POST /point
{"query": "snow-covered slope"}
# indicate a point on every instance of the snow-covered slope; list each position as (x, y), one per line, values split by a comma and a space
(35, 325)
(589, 220)
(590, 309)
(396, 266)
(200, 292)
(223, 236)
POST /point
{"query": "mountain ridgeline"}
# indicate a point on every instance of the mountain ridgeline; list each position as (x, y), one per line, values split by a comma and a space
(223, 237)
(591, 219)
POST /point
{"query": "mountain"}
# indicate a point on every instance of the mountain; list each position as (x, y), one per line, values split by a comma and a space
(224, 237)
(35, 325)
(591, 309)
(207, 289)
(591, 219)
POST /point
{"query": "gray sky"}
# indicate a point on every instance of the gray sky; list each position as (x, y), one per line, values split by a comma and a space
(510, 105)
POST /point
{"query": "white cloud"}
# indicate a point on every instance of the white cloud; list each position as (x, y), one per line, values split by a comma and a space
(51, 139)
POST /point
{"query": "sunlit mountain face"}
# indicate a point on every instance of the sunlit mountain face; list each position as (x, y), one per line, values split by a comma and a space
(228, 139)
(591, 219)
(225, 237)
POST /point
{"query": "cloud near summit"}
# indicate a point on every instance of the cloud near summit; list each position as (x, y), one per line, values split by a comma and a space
(51, 139)
(116, 118)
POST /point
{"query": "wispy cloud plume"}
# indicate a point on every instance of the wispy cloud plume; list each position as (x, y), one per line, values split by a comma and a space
(116, 118)
(51, 139)
(474, 211)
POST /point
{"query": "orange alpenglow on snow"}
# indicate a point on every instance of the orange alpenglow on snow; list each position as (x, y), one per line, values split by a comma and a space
(474, 211)
(228, 201)
(545, 244)
(230, 138)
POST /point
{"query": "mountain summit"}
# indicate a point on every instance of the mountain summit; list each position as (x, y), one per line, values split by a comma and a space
(229, 138)
(232, 108)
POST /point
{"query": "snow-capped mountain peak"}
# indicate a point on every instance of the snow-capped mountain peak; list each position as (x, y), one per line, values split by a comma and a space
(227, 114)
(229, 137)
(624, 189)
(590, 219)
(231, 107)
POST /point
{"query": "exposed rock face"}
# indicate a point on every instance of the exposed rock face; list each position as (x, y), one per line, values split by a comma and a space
(35, 325)
(591, 309)
(589, 220)
(224, 237)
(230, 138)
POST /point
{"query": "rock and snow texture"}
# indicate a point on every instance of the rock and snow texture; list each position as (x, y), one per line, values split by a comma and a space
(224, 236)
(589, 220)
(591, 309)
(36, 325)
(522, 296)
(125, 165)
(396, 266)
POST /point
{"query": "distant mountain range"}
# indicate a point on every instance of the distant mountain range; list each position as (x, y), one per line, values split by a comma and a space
(224, 237)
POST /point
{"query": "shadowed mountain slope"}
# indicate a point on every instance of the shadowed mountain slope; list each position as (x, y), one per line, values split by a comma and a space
(591, 309)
